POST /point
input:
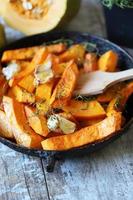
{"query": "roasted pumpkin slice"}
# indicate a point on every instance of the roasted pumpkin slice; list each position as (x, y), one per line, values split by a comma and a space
(76, 52)
(5, 126)
(85, 136)
(19, 54)
(85, 110)
(37, 122)
(89, 122)
(33, 17)
(42, 107)
(59, 68)
(109, 94)
(24, 55)
(27, 83)
(126, 93)
(22, 132)
(108, 61)
(44, 91)
(56, 48)
(119, 101)
(22, 95)
(39, 57)
(3, 86)
(64, 89)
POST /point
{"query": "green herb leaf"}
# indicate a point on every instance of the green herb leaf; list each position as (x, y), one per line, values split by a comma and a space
(120, 3)
(117, 104)
(85, 99)
(91, 47)
(68, 42)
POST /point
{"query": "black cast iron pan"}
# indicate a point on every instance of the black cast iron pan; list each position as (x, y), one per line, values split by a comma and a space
(125, 62)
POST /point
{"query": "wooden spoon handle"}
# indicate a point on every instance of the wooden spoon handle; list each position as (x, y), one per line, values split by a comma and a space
(122, 76)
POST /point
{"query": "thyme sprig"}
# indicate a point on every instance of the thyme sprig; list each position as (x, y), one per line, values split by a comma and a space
(84, 98)
(89, 46)
(68, 42)
(119, 3)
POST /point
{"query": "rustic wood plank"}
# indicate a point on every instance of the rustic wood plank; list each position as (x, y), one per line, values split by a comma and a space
(106, 174)
(21, 176)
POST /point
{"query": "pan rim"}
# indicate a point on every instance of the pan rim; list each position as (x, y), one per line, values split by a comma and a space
(41, 152)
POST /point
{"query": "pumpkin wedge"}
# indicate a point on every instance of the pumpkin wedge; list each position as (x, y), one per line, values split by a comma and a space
(90, 122)
(39, 57)
(64, 88)
(86, 135)
(5, 126)
(108, 61)
(27, 83)
(119, 101)
(126, 93)
(44, 91)
(37, 122)
(109, 94)
(85, 110)
(3, 86)
(23, 134)
(59, 68)
(19, 54)
(26, 54)
(22, 95)
(75, 52)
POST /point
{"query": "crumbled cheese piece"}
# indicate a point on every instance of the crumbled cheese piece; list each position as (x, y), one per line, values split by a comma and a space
(44, 72)
(53, 122)
(10, 70)
(27, 5)
(58, 123)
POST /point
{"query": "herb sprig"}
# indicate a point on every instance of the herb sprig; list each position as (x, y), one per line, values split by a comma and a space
(91, 47)
(68, 42)
(119, 3)
(84, 98)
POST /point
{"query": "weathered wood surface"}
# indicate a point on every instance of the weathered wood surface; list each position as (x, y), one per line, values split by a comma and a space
(103, 175)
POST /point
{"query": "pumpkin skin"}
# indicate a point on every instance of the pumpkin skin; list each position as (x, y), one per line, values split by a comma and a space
(59, 14)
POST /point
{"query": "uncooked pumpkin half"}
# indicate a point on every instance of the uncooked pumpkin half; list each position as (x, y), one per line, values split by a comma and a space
(36, 16)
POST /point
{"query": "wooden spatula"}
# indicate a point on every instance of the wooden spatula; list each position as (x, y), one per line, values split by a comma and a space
(96, 82)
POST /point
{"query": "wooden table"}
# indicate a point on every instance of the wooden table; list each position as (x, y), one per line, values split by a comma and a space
(103, 175)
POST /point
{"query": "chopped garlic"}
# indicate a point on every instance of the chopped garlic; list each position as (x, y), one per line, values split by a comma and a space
(66, 125)
(53, 122)
(58, 123)
(47, 64)
(27, 5)
(10, 70)
(44, 72)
